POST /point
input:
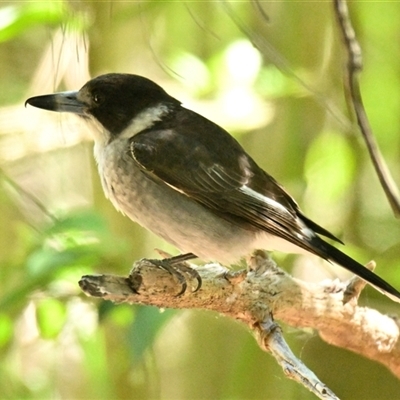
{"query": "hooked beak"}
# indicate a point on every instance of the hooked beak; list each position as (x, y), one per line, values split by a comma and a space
(60, 102)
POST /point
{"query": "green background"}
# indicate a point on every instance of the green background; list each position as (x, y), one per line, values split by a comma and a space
(285, 105)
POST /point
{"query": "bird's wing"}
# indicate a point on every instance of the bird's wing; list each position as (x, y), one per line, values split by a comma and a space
(223, 178)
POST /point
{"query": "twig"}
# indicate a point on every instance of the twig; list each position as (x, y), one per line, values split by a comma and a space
(356, 285)
(354, 67)
(253, 296)
(270, 338)
(29, 196)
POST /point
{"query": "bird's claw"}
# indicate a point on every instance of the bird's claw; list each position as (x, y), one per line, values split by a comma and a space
(177, 267)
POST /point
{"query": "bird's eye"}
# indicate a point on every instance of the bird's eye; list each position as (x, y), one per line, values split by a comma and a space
(97, 98)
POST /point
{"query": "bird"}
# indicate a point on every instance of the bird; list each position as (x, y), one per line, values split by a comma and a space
(189, 181)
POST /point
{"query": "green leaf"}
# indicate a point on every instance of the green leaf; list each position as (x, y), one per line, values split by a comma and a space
(329, 166)
(6, 329)
(16, 19)
(51, 316)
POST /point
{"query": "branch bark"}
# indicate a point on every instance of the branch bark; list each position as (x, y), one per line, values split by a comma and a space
(257, 296)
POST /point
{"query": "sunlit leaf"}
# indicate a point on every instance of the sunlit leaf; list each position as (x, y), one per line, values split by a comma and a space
(51, 316)
(329, 166)
(6, 329)
(19, 17)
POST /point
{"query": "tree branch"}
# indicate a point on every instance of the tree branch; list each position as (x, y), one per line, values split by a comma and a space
(254, 296)
(354, 67)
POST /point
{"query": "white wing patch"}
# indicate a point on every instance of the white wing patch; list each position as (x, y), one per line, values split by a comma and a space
(252, 193)
(309, 233)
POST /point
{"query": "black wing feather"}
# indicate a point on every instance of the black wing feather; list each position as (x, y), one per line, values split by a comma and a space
(214, 171)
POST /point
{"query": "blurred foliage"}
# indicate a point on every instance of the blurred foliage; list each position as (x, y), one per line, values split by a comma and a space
(15, 20)
(285, 103)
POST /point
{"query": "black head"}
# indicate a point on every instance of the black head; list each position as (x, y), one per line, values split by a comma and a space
(112, 99)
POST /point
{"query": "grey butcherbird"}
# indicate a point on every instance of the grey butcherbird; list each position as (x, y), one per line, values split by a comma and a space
(187, 180)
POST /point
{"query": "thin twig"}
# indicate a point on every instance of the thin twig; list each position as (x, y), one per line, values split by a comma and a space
(270, 338)
(356, 285)
(354, 67)
(29, 196)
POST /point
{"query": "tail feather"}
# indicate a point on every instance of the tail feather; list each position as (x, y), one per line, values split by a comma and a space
(325, 250)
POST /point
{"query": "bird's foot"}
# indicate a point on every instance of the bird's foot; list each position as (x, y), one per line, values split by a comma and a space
(177, 267)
